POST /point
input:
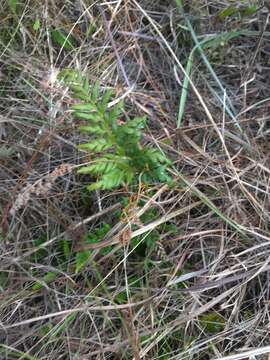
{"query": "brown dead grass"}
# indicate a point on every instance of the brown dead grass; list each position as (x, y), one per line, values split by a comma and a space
(204, 268)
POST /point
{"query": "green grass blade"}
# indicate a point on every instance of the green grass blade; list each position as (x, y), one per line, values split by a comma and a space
(199, 45)
(184, 93)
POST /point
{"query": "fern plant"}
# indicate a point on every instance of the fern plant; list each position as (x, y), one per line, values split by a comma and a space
(119, 158)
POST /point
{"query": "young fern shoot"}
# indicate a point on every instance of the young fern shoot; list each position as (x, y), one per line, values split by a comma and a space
(119, 158)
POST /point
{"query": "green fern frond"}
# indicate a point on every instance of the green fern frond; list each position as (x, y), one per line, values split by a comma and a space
(97, 145)
(84, 107)
(95, 92)
(119, 157)
(98, 185)
(97, 130)
(100, 167)
(103, 104)
(91, 116)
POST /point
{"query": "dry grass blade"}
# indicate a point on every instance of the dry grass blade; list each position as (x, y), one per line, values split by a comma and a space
(247, 354)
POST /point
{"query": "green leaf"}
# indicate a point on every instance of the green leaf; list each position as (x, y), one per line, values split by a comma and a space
(36, 25)
(92, 129)
(94, 117)
(229, 11)
(121, 298)
(95, 92)
(96, 145)
(249, 10)
(113, 115)
(45, 329)
(95, 186)
(81, 260)
(243, 11)
(108, 181)
(86, 84)
(121, 159)
(155, 156)
(60, 38)
(79, 91)
(102, 230)
(113, 179)
(84, 107)
(13, 5)
(82, 257)
(48, 278)
(129, 176)
(105, 100)
(66, 249)
(179, 3)
(42, 252)
(138, 122)
(99, 167)
(212, 322)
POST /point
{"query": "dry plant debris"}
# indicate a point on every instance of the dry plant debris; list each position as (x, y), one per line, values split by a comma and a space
(185, 270)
